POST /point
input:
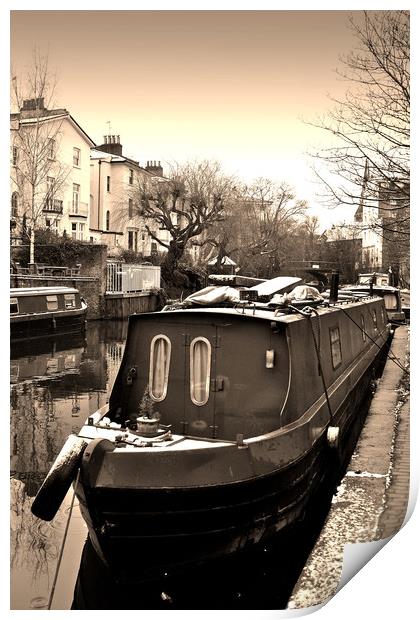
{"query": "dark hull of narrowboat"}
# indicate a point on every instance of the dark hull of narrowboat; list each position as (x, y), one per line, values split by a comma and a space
(144, 533)
(26, 327)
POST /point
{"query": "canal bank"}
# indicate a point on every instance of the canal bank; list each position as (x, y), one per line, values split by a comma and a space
(371, 502)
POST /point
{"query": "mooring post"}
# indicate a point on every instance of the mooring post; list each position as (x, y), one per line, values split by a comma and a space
(335, 276)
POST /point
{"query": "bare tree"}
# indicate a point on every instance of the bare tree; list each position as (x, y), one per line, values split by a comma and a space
(38, 175)
(270, 214)
(371, 125)
(186, 204)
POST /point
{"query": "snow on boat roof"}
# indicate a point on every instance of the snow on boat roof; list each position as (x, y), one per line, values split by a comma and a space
(276, 285)
(42, 290)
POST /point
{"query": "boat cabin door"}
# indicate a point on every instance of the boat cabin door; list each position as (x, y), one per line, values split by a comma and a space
(201, 382)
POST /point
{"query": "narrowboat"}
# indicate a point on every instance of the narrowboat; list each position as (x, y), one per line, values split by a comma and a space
(228, 411)
(45, 310)
(390, 294)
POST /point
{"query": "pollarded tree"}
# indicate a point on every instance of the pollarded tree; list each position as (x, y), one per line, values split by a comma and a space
(38, 175)
(371, 125)
(185, 204)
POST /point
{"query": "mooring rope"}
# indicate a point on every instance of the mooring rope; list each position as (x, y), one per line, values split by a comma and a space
(307, 312)
(392, 359)
(60, 557)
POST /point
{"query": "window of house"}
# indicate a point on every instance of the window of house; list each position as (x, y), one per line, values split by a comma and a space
(70, 300)
(14, 204)
(107, 220)
(335, 346)
(200, 362)
(130, 208)
(15, 155)
(50, 193)
(52, 302)
(130, 240)
(81, 231)
(14, 305)
(76, 197)
(362, 324)
(73, 230)
(51, 148)
(51, 224)
(131, 176)
(160, 358)
(108, 184)
(76, 156)
(153, 246)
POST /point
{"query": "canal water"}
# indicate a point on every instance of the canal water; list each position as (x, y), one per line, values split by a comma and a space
(55, 385)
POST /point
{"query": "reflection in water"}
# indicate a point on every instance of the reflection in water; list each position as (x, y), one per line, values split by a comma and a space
(55, 384)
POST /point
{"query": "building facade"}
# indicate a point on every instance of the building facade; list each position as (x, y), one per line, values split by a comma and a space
(50, 172)
(116, 184)
(383, 222)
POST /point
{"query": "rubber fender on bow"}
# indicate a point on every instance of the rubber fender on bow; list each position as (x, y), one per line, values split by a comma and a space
(58, 480)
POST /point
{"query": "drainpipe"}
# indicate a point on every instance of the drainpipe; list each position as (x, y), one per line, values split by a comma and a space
(99, 190)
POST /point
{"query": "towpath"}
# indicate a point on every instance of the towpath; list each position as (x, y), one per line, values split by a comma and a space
(371, 502)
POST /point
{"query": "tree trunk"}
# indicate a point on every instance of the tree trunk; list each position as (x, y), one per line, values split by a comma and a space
(32, 245)
(169, 268)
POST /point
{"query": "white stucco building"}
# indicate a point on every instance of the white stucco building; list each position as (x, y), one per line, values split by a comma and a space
(50, 171)
(115, 218)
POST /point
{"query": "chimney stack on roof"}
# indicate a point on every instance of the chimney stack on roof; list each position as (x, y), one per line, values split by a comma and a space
(111, 145)
(154, 168)
(29, 106)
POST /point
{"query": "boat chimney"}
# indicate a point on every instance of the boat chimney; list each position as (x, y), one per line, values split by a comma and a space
(335, 276)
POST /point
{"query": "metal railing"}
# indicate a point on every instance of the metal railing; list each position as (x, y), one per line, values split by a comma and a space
(124, 278)
(53, 205)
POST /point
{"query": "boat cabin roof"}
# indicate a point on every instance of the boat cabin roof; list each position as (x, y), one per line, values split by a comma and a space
(42, 290)
(263, 312)
(366, 287)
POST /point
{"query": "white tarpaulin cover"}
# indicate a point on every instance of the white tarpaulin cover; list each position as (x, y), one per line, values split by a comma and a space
(276, 285)
(213, 295)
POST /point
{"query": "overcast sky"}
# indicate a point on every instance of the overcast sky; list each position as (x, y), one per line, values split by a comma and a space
(235, 86)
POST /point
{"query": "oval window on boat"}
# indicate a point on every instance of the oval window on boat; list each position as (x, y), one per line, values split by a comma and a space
(335, 347)
(200, 362)
(362, 324)
(160, 357)
(375, 320)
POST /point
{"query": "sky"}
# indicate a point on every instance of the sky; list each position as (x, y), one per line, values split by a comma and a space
(237, 86)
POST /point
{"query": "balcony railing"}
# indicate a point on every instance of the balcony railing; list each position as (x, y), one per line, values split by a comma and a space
(80, 209)
(53, 205)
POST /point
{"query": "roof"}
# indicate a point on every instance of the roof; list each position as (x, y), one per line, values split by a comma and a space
(225, 261)
(50, 115)
(41, 290)
(112, 158)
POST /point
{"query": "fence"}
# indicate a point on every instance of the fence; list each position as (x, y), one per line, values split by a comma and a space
(124, 278)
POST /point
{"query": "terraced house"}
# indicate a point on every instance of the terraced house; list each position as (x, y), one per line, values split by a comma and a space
(116, 184)
(50, 173)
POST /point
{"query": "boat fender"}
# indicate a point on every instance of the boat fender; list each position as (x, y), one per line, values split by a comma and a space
(58, 480)
(333, 434)
(92, 460)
